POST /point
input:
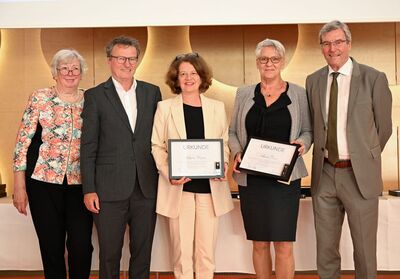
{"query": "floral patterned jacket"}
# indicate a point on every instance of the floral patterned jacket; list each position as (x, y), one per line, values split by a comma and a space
(59, 154)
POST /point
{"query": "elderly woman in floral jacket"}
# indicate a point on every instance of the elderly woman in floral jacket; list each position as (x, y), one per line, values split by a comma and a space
(53, 189)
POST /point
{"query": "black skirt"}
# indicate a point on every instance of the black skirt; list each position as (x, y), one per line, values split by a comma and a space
(270, 209)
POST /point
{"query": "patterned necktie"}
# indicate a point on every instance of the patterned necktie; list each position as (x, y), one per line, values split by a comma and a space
(331, 142)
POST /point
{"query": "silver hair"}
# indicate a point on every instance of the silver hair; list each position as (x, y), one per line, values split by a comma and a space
(280, 49)
(334, 25)
(67, 55)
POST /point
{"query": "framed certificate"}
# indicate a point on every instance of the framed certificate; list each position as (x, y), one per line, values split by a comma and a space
(200, 158)
(271, 158)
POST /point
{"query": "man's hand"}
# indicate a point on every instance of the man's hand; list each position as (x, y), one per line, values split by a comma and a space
(92, 203)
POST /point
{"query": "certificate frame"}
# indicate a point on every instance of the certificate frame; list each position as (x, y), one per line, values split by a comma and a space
(277, 158)
(204, 158)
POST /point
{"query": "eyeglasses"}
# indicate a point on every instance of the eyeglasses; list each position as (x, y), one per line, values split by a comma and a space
(336, 43)
(186, 55)
(123, 59)
(273, 59)
(188, 75)
(64, 71)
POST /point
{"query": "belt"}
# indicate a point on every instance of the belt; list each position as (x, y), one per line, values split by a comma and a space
(340, 164)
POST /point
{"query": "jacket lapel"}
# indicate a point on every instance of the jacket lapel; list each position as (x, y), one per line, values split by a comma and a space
(178, 116)
(208, 115)
(354, 86)
(112, 96)
(140, 103)
(322, 83)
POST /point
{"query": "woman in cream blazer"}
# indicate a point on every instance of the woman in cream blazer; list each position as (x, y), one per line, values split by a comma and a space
(192, 207)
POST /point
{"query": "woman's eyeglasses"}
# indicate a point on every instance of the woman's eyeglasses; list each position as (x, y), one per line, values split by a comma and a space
(64, 71)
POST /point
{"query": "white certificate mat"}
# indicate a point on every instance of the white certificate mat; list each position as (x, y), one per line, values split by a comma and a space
(200, 158)
(270, 158)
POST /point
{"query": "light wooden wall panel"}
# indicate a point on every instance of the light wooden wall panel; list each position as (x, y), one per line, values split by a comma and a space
(307, 56)
(374, 44)
(390, 154)
(81, 39)
(163, 44)
(222, 48)
(397, 35)
(22, 68)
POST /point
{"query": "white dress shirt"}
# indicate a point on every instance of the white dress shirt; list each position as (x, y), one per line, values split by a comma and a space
(343, 79)
(128, 100)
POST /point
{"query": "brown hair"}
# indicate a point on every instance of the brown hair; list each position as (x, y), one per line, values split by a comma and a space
(122, 40)
(200, 65)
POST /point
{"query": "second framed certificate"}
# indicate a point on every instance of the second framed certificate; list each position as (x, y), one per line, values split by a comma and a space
(271, 158)
(203, 158)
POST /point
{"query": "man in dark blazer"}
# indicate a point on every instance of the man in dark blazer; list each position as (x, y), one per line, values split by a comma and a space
(346, 172)
(118, 172)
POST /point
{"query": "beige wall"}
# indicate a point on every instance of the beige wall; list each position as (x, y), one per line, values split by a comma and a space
(25, 55)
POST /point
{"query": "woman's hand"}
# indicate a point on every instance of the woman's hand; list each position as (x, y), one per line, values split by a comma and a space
(236, 162)
(178, 182)
(301, 148)
(225, 174)
(20, 198)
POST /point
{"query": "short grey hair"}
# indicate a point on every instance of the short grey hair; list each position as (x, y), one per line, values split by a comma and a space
(280, 49)
(334, 25)
(67, 55)
(122, 40)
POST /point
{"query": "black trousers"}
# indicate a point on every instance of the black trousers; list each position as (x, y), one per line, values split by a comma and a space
(61, 220)
(139, 213)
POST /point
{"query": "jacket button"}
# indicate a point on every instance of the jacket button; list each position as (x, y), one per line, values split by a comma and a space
(323, 149)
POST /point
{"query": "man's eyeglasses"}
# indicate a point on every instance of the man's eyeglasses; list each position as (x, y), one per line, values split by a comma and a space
(273, 59)
(64, 71)
(123, 59)
(186, 55)
(336, 43)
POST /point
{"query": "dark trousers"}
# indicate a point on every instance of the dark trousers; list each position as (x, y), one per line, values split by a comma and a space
(61, 219)
(139, 213)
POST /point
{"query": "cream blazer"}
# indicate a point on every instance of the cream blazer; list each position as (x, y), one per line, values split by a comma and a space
(169, 123)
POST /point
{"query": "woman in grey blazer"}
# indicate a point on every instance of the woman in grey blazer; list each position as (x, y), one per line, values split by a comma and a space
(275, 110)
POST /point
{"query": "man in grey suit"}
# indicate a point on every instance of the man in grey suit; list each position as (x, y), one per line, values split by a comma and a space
(351, 108)
(118, 172)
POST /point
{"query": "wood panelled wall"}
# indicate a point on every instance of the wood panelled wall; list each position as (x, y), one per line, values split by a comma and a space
(25, 56)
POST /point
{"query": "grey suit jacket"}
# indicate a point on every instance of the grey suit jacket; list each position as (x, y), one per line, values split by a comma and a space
(112, 155)
(369, 125)
(300, 130)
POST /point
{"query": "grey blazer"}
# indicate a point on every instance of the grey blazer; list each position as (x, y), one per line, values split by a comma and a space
(112, 155)
(369, 125)
(301, 125)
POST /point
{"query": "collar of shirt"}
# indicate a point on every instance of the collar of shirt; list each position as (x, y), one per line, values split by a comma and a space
(346, 69)
(121, 90)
